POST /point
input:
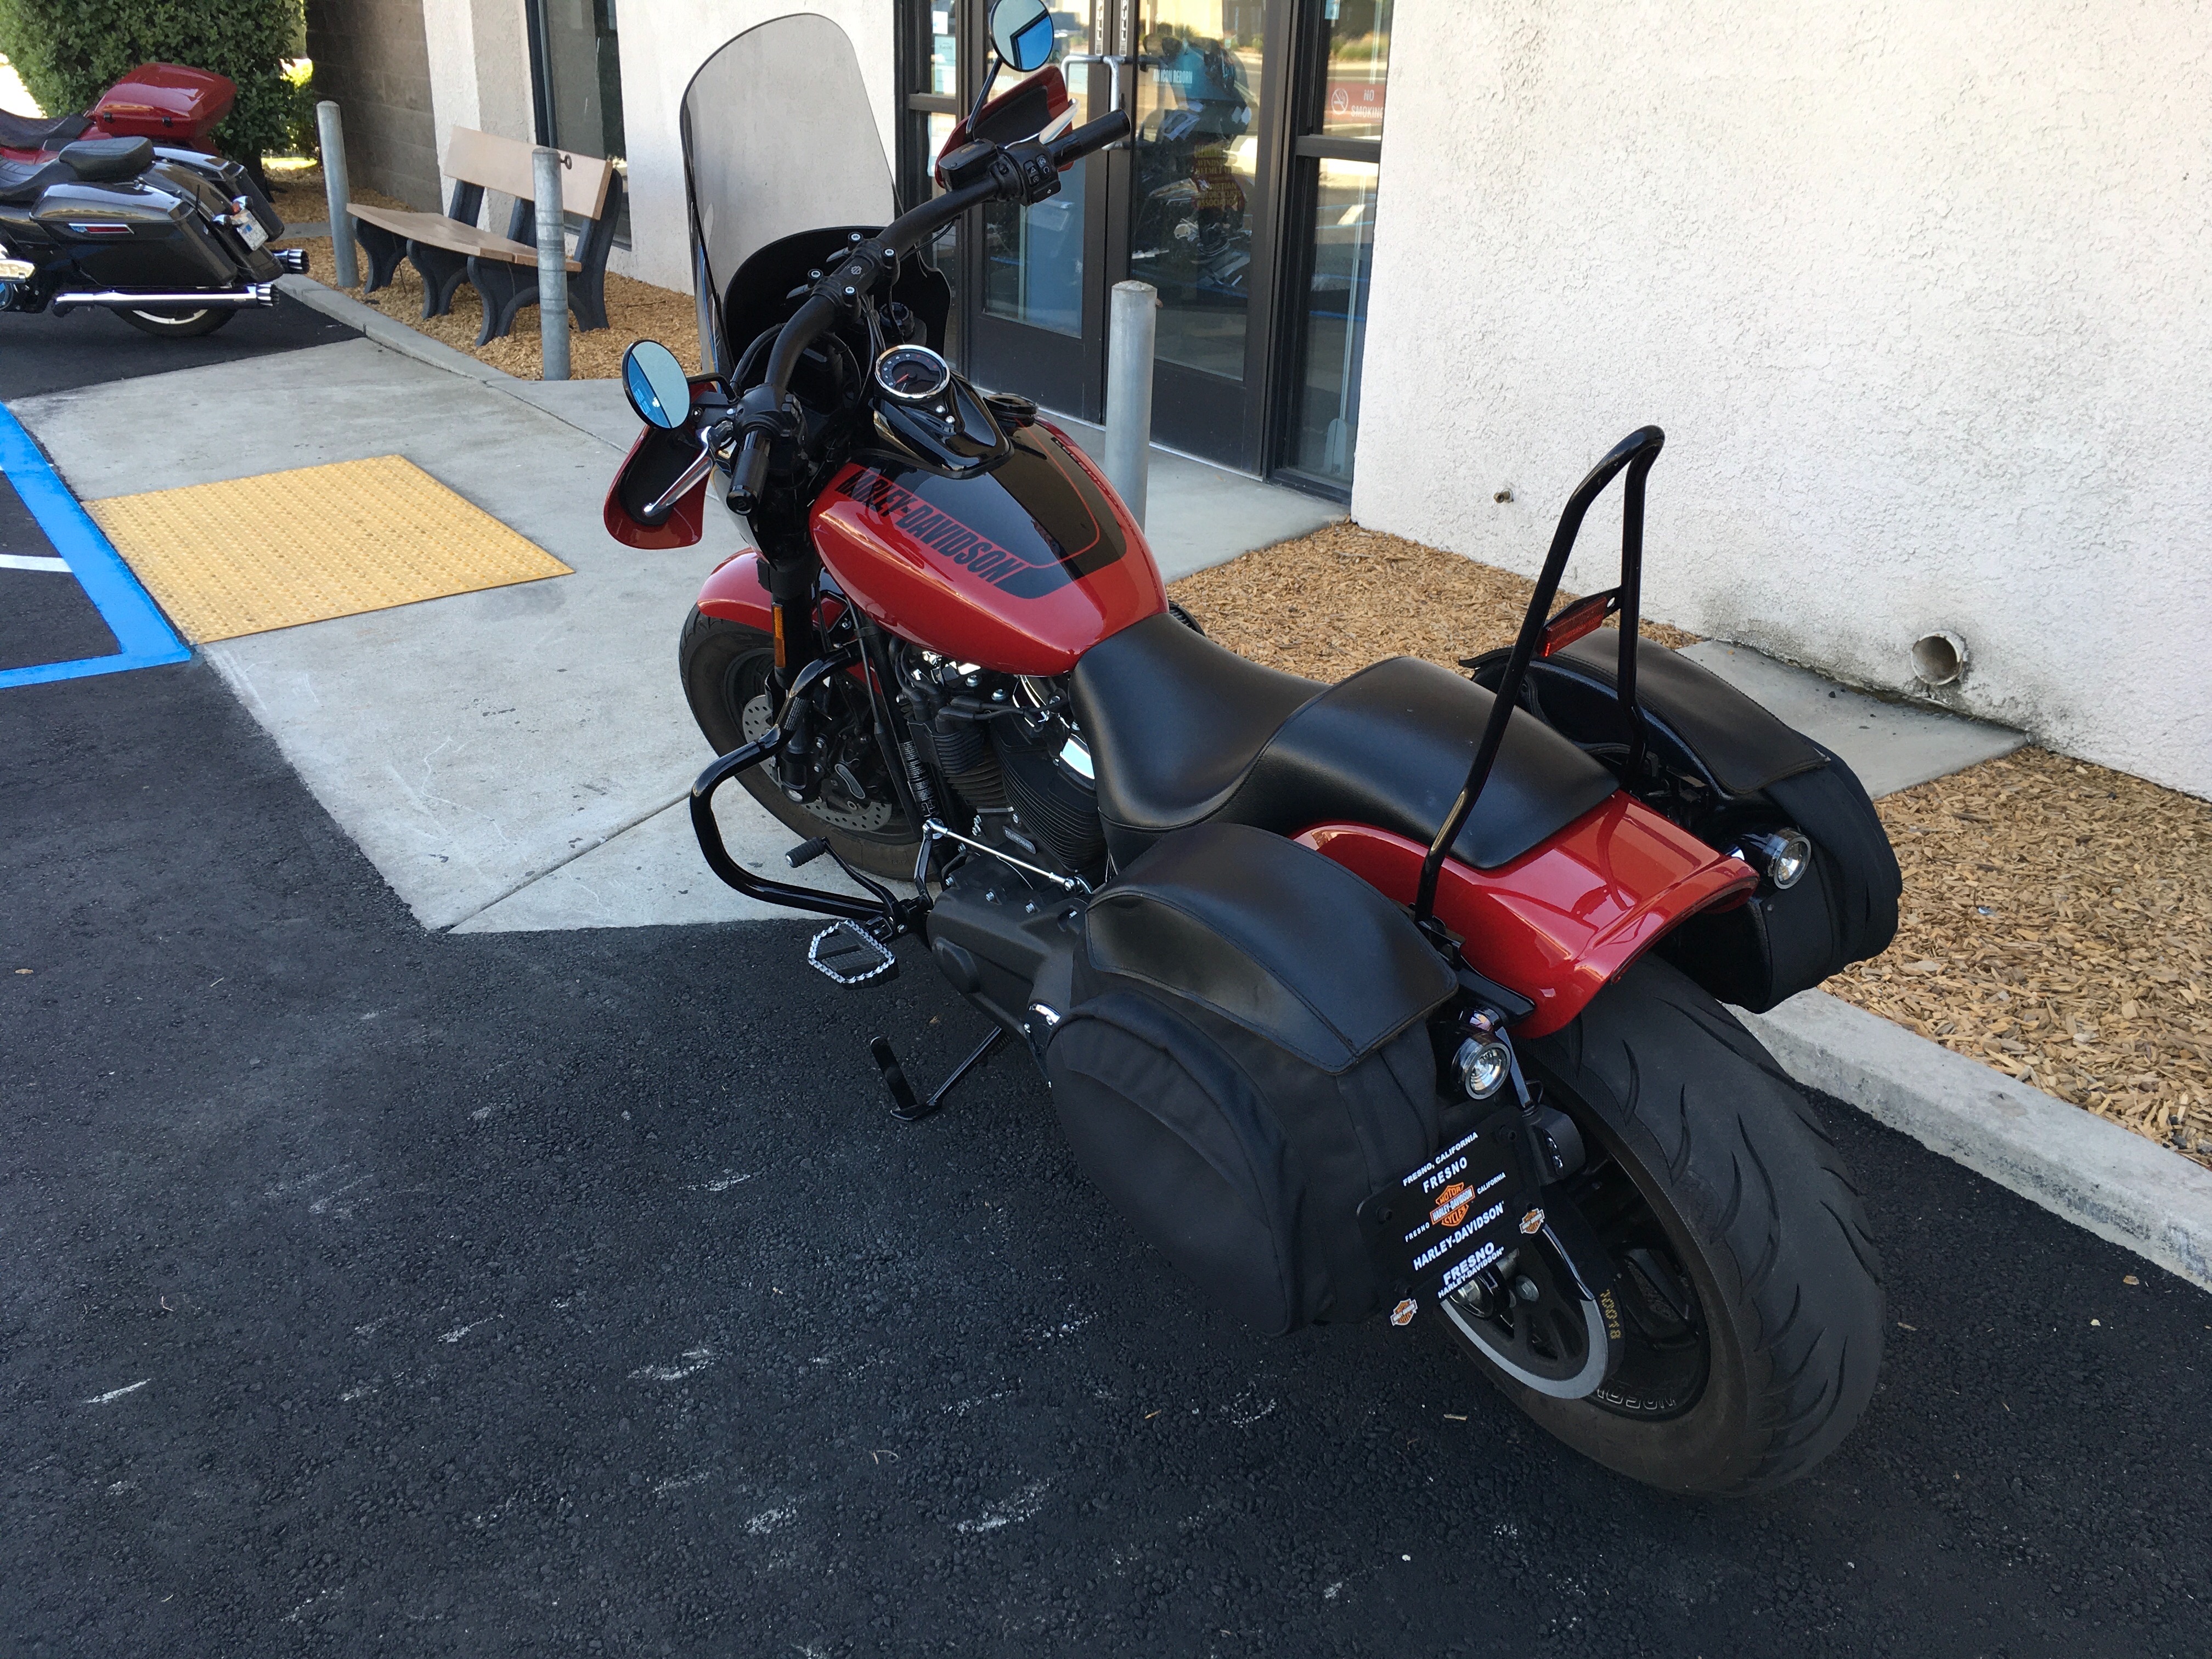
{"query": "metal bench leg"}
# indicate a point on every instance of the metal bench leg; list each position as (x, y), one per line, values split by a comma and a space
(506, 289)
(442, 273)
(588, 298)
(385, 252)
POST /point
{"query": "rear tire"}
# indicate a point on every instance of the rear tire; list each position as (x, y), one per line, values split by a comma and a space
(1700, 1148)
(178, 324)
(726, 666)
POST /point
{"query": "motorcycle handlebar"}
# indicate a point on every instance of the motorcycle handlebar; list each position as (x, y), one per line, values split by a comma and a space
(898, 239)
(1091, 134)
(750, 473)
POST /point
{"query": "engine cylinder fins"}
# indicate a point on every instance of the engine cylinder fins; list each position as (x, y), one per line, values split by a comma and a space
(1056, 806)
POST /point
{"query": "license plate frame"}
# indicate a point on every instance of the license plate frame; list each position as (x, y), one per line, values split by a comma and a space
(1444, 1221)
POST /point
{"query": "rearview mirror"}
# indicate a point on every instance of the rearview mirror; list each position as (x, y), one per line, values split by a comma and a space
(1022, 31)
(658, 389)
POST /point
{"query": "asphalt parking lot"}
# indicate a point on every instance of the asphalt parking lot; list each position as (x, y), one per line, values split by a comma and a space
(367, 1286)
(572, 1293)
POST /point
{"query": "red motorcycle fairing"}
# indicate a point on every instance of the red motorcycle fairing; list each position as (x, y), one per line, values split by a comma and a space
(657, 459)
(1020, 569)
(650, 466)
(1559, 922)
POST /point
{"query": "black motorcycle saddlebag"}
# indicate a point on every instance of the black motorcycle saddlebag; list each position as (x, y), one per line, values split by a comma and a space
(1727, 769)
(1247, 1061)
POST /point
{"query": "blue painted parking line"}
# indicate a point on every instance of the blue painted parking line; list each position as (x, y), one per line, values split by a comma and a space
(129, 610)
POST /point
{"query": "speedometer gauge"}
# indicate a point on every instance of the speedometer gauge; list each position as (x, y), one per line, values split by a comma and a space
(913, 373)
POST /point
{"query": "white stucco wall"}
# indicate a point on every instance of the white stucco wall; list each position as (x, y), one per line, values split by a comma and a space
(1919, 292)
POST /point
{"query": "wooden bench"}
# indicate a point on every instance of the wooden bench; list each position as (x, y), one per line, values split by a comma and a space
(448, 246)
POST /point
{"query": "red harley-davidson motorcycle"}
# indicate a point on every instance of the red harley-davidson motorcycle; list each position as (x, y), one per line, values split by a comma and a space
(1398, 997)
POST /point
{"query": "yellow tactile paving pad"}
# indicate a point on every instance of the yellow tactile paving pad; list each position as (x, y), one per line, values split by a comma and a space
(286, 548)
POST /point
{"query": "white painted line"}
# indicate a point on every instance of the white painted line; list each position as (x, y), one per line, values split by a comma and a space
(2097, 1175)
(113, 1395)
(32, 562)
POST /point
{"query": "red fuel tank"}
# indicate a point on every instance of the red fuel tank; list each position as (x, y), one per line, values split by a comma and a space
(1021, 569)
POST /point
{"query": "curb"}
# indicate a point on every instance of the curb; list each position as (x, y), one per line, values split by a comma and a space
(385, 332)
(2094, 1174)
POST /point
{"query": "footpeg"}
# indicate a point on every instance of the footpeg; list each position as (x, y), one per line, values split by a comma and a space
(806, 851)
(849, 954)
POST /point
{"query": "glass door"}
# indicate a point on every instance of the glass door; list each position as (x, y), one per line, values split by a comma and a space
(576, 73)
(1199, 215)
(1245, 197)
(1037, 320)
(1337, 167)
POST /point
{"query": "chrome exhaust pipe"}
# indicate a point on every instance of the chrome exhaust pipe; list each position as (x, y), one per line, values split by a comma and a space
(293, 259)
(240, 299)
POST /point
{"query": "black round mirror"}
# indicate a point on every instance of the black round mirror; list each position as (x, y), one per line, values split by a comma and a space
(1022, 31)
(659, 390)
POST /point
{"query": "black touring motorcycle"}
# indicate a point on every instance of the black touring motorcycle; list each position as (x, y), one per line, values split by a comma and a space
(171, 239)
(1399, 995)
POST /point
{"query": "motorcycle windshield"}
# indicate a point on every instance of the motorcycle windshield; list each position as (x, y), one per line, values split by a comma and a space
(780, 137)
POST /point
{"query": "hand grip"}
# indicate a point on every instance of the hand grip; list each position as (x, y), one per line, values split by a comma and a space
(750, 473)
(1071, 147)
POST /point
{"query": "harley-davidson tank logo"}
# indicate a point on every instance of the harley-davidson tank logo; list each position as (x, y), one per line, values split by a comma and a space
(1025, 576)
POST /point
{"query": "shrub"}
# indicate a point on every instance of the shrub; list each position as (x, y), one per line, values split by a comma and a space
(70, 51)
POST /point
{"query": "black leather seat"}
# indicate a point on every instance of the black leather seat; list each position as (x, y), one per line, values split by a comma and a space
(93, 161)
(1173, 721)
(23, 181)
(32, 132)
(1182, 731)
(108, 161)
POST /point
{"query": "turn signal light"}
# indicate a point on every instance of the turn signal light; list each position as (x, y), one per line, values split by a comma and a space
(1482, 1066)
(1785, 855)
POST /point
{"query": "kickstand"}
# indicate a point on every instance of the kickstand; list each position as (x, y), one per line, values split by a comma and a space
(906, 1106)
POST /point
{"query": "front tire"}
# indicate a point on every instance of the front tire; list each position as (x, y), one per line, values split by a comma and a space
(726, 667)
(1749, 1289)
(178, 324)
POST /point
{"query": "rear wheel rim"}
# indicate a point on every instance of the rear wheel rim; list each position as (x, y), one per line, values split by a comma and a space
(1650, 1339)
(176, 318)
(1556, 1344)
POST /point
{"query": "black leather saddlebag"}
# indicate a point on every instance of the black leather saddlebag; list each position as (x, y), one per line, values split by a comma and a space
(1726, 769)
(1247, 1061)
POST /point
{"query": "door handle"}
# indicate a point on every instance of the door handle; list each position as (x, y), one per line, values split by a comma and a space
(1114, 63)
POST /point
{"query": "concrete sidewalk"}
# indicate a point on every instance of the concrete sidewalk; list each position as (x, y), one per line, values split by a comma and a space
(515, 759)
(472, 745)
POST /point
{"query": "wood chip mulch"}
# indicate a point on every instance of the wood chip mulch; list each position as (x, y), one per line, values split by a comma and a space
(2057, 925)
(1329, 603)
(635, 311)
(2057, 916)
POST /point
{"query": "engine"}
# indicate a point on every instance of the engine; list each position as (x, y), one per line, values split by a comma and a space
(1009, 746)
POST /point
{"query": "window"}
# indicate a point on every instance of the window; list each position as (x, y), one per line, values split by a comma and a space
(1339, 150)
(575, 63)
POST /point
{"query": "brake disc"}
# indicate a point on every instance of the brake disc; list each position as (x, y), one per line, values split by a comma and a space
(867, 816)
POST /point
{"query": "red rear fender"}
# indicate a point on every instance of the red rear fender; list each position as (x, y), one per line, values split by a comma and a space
(1557, 923)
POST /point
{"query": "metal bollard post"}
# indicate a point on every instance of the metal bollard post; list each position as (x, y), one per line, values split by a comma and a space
(552, 261)
(1129, 393)
(329, 128)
